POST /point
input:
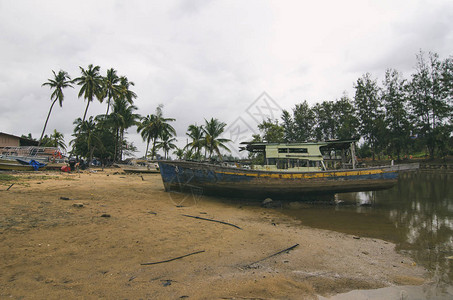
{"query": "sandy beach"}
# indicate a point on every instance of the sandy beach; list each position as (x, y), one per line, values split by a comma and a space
(91, 235)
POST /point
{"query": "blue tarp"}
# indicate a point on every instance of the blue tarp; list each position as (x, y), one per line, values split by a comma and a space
(36, 164)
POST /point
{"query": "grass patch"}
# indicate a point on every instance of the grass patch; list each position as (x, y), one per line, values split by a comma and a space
(7, 178)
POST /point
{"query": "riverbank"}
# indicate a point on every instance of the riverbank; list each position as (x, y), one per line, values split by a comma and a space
(87, 235)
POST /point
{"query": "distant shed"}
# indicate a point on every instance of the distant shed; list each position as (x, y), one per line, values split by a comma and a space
(9, 140)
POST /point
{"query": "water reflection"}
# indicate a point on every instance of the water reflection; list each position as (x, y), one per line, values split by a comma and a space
(417, 215)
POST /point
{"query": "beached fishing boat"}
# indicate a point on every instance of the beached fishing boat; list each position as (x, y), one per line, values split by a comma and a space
(21, 165)
(18, 167)
(289, 171)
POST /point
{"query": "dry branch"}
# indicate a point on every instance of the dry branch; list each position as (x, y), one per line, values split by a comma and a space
(212, 220)
(272, 255)
(171, 259)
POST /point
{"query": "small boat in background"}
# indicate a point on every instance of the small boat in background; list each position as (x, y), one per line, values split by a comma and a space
(290, 171)
(20, 167)
(27, 153)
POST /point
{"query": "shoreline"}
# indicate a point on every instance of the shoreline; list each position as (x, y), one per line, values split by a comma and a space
(51, 248)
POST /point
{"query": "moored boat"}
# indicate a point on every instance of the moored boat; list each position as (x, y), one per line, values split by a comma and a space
(289, 171)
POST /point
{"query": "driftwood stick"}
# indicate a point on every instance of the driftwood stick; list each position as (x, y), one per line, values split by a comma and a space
(10, 187)
(171, 259)
(279, 252)
(212, 220)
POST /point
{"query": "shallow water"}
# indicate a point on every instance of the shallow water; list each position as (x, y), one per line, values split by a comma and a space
(416, 214)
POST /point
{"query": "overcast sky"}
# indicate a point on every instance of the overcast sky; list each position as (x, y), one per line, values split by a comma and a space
(204, 58)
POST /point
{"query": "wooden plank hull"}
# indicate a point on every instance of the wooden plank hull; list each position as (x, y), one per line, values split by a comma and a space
(140, 170)
(235, 182)
(17, 167)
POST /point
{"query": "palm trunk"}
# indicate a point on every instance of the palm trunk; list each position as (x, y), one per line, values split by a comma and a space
(108, 107)
(147, 147)
(121, 143)
(45, 124)
(154, 148)
(86, 110)
(115, 153)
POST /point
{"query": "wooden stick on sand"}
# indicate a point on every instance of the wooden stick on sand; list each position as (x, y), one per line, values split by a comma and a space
(212, 220)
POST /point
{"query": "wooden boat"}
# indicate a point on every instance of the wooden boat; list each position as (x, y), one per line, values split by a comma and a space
(140, 170)
(14, 165)
(291, 171)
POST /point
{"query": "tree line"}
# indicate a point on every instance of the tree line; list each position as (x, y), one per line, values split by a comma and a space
(103, 136)
(395, 118)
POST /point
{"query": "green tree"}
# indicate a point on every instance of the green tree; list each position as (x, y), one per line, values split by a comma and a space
(122, 117)
(213, 129)
(394, 98)
(57, 84)
(271, 131)
(125, 91)
(369, 112)
(325, 122)
(180, 153)
(429, 96)
(196, 133)
(57, 140)
(152, 126)
(288, 127)
(90, 85)
(111, 87)
(347, 122)
(299, 126)
(86, 138)
(166, 143)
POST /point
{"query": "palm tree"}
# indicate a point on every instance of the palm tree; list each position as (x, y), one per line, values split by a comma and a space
(86, 138)
(125, 91)
(91, 85)
(111, 87)
(196, 133)
(152, 127)
(213, 129)
(145, 129)
(179, 152)
(58, 83)
(122, 117)
(57, 140)
(166, 143)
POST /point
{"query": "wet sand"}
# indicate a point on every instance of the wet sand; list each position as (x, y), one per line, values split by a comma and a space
(94, 244)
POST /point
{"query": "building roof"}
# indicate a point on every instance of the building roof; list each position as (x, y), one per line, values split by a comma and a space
(331, 144)
(23, 141)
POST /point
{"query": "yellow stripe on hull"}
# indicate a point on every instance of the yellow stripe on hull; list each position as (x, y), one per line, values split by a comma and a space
(307, 175)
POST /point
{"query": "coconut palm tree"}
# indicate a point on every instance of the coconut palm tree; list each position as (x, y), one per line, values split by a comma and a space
(152, 126)
(86, 138)
(90, 85)
(122, 118)
(145, 128)
(196, 133)
(166, 143)
(111, 87)
(179, 152)
(125, 91)
(57, 140)
(58, 83)
(213, 129)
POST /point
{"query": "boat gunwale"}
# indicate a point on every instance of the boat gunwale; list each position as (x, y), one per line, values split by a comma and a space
(388, 168)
